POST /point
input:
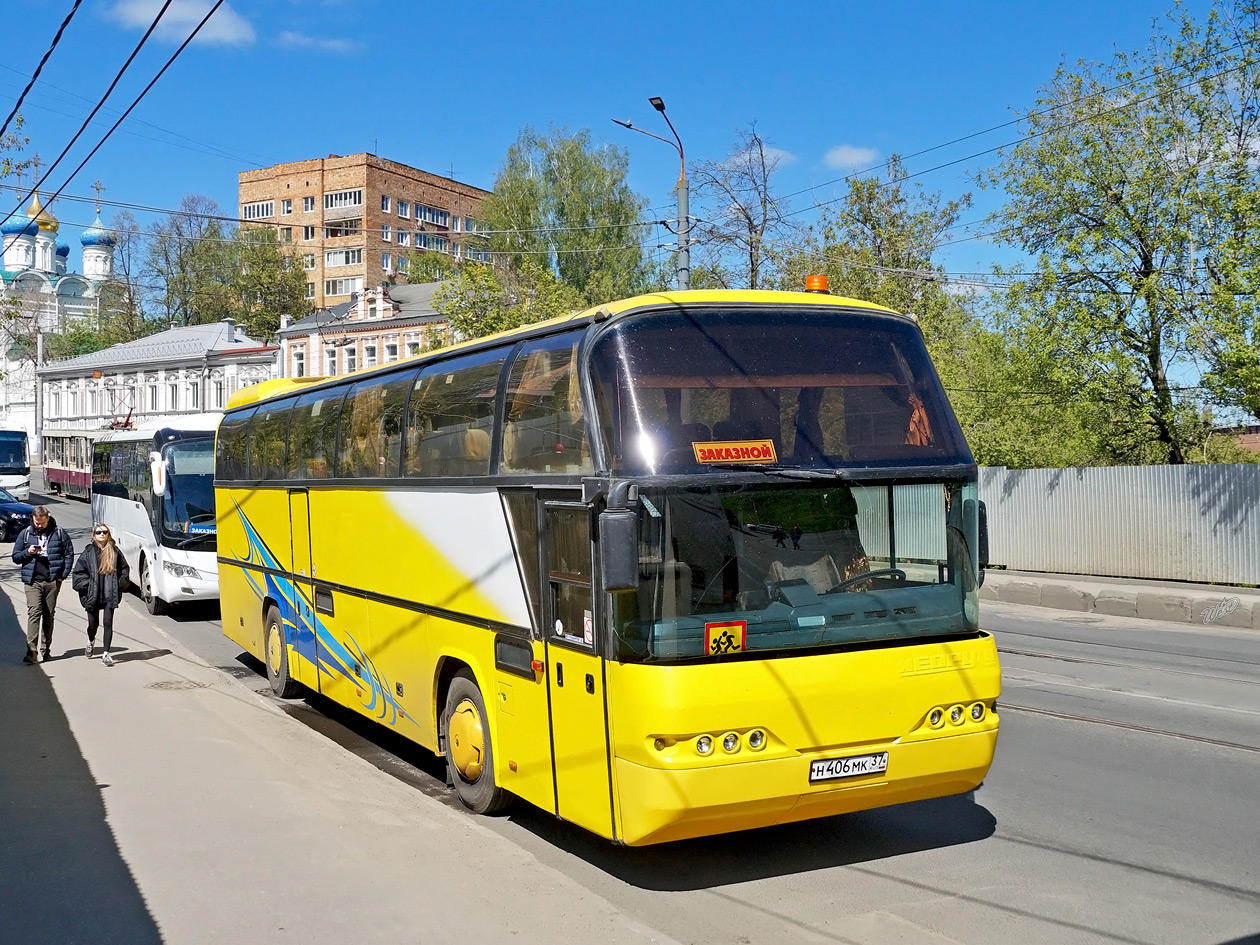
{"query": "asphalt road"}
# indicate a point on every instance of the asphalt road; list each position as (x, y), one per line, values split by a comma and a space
(1122, 807)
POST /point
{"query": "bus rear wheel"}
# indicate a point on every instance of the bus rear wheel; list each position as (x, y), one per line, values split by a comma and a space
(469, 754)
(277, 657)
(154, 604)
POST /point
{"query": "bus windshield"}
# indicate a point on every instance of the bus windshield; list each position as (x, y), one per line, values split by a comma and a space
(783, 567)
(13, 451)
(822, 388)
(188, 506)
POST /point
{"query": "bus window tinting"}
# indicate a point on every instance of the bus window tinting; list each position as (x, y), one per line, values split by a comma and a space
(543, 426)
(268, 434)
(827, 389)
(449, 417)
(370, 442)
(231, 449)
(313, 434)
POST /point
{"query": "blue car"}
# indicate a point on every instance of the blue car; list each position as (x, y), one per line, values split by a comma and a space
(14, 516)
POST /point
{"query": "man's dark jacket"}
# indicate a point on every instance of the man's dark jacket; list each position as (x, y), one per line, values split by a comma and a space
(59, 552)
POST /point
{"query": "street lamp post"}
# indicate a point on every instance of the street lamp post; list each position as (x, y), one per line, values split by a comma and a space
(683, 267)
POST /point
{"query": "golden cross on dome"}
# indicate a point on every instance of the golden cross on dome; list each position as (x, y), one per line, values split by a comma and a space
(98, 187)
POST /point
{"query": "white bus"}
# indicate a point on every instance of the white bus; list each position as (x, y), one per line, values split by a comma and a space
(15, 463)
(154, 487)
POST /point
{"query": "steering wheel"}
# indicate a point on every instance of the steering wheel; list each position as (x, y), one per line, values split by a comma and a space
(895, 573)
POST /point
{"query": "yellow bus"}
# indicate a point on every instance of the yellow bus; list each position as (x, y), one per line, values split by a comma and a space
(677, 565)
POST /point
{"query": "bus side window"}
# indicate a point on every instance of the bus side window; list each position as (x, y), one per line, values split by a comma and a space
(231, 446)
(313, 434)
(370, 441)
(544, 426)
(268, 438)
(449, 417)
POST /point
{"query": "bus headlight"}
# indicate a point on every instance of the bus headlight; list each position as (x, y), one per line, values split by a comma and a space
(180, 570)
(704, 744)
(756, 739)
(935, 717)
(956, 714)
(730, 742)
(977, 711)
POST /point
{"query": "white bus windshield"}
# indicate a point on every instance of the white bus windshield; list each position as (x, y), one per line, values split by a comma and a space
(188, 507)
(13, 451)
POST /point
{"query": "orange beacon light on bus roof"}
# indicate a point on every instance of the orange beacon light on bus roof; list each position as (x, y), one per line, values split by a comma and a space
(816, 284)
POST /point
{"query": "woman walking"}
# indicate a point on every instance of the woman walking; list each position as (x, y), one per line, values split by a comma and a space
(100, 577)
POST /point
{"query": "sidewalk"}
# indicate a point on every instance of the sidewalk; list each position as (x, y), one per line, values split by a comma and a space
(1121, 597)
(162, 801)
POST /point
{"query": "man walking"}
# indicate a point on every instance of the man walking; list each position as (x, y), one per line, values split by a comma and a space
(46, 555)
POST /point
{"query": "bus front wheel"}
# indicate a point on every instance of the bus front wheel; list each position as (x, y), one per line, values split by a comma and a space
(277, 657)
(154, 604)
(469, 755)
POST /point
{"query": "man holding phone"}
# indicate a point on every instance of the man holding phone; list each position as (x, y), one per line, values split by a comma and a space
(46, 555)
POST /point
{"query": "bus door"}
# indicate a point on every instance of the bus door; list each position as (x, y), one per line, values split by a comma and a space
(575, 675)
(302, 614)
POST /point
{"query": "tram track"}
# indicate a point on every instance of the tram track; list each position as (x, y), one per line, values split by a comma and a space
(1009, 651)
(1126, 726)
(1128, 649)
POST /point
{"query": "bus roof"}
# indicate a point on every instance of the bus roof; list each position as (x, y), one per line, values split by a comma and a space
(696, 297)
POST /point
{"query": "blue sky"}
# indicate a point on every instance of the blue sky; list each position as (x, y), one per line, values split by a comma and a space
(447, 87)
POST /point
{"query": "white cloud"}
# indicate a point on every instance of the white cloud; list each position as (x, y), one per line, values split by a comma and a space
(847, 157)
(778, 154)
(302, 41)
(225, 28)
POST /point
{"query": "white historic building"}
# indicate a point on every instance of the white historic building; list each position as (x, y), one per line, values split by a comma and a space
(179, 371)
(39, 295)
(383, 324)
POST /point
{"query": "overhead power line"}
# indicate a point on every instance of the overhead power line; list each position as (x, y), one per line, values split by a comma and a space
(1006, 124)
(83, 127)
(40, 67)
(191, 36)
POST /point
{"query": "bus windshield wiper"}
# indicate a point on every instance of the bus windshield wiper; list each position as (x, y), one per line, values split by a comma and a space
(194, 539)
(786, 470)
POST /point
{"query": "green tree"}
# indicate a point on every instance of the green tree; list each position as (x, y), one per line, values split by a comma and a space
(482, 300)
(267, 281)
(429, 266)
(190, 264)
(563, 203)
(205, 271)
(879, 245)
(1130, 193)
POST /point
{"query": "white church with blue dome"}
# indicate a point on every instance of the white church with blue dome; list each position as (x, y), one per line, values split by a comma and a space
(50, 298)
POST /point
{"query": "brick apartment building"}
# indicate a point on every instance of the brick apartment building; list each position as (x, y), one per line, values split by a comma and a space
(356, 219)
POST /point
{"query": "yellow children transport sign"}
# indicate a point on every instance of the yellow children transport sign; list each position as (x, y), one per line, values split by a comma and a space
(736, 451)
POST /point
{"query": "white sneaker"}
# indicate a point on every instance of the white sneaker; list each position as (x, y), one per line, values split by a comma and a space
(89, 649)
(107, 659)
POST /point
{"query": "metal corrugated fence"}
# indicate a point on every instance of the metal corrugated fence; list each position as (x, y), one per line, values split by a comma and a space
(1180, 523)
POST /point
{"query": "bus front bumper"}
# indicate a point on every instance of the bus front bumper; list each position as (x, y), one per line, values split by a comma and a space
(659, 805)
(186, 582)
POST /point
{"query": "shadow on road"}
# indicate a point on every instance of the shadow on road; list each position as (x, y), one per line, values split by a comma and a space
(773, 851)
(672, 867)
(65, 880)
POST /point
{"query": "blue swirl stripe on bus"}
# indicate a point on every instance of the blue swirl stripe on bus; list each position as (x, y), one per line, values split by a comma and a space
(302, 628)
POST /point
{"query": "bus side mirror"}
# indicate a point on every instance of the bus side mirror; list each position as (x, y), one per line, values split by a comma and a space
(983, 541)
(157, 473)
(619, 549)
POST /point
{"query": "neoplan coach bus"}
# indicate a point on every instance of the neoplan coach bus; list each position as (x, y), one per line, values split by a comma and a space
(681, 564)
